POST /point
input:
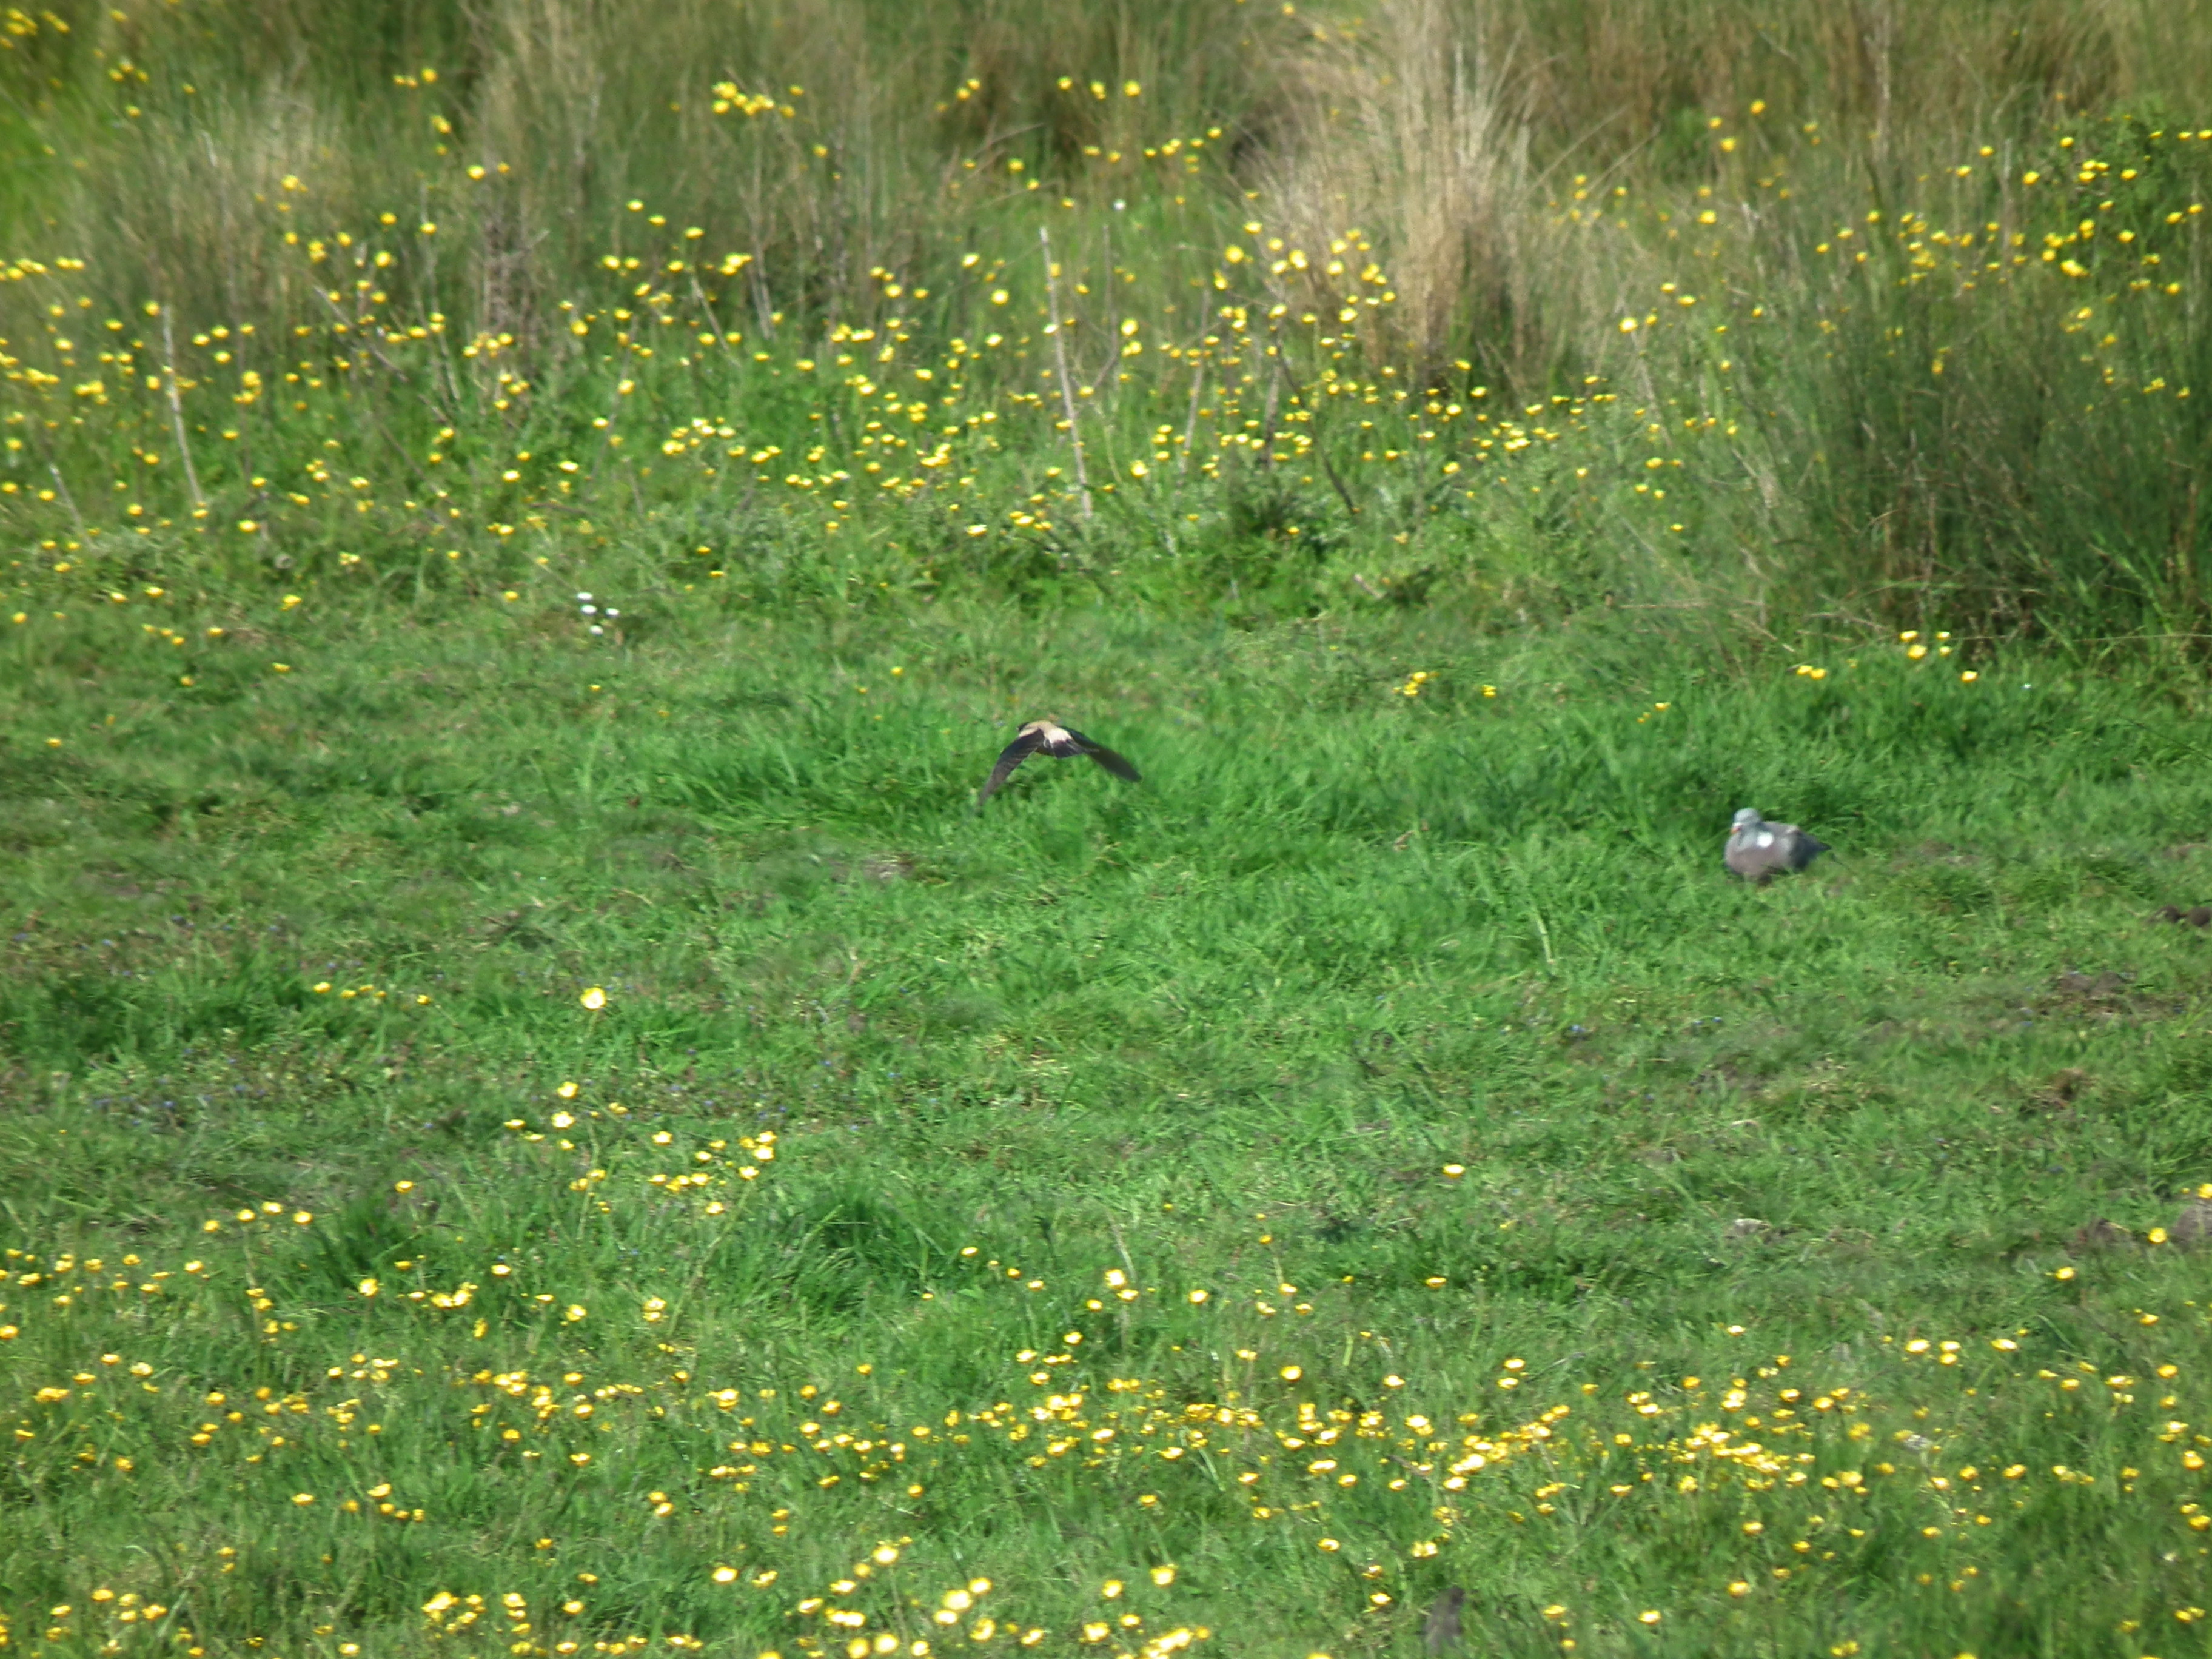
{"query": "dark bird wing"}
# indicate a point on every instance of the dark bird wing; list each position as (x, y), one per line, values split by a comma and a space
(1117, 764)
(1008, 757)
(1804, 848)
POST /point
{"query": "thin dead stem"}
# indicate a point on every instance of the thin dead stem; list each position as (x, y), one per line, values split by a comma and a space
(1058, 332)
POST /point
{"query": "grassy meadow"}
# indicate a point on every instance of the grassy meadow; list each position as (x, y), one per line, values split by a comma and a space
(535, 1118)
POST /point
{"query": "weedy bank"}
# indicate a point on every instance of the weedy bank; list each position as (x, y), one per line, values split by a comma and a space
(1898, 318)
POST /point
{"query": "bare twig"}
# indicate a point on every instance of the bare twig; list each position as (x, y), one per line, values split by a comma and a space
(1190, 425)
(1059, 353)
(1136, 1281)
(401, 375)
(712, 321)
(1113, 339)
(360, 334)
(1122, 1248)
(1329, 469)
(1321, 450)
(759, 288)
(1267, 421)
(177, 409)
(61, 487)
(70, 501)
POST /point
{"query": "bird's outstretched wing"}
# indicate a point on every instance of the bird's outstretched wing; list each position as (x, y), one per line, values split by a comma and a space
(1008, 757)
(1117, 764)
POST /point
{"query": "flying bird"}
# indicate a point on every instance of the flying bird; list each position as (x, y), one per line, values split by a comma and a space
(1050, 738)
(1759, 851)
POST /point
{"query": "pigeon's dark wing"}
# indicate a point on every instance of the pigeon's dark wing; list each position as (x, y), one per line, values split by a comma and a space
(1117, 764)
(1008, 757)
(1807, 848)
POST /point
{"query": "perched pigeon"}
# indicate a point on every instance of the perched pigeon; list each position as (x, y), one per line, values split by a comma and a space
(1050, 738)
(1759, 851)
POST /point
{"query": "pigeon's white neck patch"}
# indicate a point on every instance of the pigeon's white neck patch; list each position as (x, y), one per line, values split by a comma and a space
(1765, 838)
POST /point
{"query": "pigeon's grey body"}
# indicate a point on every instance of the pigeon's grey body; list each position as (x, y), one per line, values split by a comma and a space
(1759, 851)
(1441, 1629)
(1061, 743)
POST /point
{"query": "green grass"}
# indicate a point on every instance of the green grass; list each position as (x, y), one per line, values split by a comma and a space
(1231, 1029)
